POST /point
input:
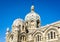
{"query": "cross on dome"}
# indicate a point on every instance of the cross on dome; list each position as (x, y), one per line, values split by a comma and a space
(32, 8)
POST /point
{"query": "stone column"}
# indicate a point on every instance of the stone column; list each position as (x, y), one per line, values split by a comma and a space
(44, 38)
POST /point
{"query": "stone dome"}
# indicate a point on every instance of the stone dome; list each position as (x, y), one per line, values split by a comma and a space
(17, 22)
(32, 15)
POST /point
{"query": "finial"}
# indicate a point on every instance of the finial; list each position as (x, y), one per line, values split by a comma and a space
(8, 29)
(32, 8)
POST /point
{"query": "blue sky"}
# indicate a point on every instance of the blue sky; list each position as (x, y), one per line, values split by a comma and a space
(49, 11)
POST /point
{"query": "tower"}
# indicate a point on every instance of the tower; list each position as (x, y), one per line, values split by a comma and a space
(32, 19)
(18, 30)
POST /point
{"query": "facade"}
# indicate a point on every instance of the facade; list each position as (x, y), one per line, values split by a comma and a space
(30, 30)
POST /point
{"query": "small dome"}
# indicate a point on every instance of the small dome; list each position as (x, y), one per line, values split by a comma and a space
(17, 22)
(32, 15)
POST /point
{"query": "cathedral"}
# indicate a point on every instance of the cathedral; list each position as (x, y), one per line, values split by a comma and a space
(30, 30)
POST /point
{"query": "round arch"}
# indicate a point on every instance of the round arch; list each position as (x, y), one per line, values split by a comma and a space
(37, 36)
(51, 28)
(22, 37)
(51, 33)
(37, 32)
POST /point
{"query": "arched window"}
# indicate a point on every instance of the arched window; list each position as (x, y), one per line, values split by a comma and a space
(38, 38)
(48, 36)
(26, 22)
(11, 38)
(23, 28)
(54, 35)
(51, 35)
(32, 22)
(19, 26)
(27, 30)
(38, 23)
(23, 38)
